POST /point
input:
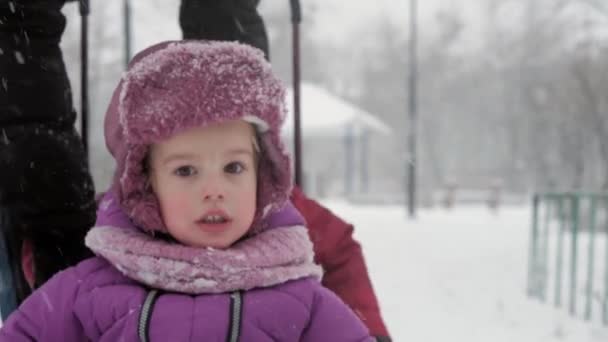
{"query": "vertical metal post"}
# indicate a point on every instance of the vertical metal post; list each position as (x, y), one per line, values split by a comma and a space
(533, 251)
(413, 120)
(296, 18)
(605, 305)
(84, 73)
(364, 160)
(544, 257)
(349, 161)
(574, 252)
(127, 28)
(560, 246)
(590, 258)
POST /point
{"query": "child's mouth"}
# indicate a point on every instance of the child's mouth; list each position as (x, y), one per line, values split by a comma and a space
(214, 221)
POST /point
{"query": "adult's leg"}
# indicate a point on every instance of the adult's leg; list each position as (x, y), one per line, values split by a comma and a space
(46, 190)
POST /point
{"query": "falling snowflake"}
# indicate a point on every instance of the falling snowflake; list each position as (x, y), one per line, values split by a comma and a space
(19, 57)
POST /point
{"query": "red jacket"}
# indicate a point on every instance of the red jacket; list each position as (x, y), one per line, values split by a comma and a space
(342, 260)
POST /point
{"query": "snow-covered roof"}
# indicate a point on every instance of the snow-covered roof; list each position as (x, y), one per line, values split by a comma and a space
(324, 114)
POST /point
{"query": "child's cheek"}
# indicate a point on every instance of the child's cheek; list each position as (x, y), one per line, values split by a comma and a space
(176, 206)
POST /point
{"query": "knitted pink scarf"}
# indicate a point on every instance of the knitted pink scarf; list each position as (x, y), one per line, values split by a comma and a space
(271, 257)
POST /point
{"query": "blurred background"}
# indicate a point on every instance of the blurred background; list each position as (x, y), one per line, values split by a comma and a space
(511, 93)
(510, 101)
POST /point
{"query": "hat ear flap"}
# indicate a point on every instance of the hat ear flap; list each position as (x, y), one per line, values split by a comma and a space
(274, 178)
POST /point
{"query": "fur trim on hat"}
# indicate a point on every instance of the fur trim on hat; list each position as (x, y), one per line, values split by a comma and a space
(173, 86)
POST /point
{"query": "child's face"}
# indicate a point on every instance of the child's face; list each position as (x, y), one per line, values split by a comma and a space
(205, 181)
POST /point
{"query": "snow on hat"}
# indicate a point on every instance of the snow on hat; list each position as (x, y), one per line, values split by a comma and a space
(176, 85)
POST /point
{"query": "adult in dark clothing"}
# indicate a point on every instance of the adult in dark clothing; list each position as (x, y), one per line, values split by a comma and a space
(224, 20)
(51, 218)
(46, 191)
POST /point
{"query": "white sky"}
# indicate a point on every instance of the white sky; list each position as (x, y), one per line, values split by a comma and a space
(337, 19)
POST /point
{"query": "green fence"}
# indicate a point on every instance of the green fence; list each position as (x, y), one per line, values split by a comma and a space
(569, 232)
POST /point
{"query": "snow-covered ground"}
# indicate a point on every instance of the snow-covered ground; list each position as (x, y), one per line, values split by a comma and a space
(459, 276)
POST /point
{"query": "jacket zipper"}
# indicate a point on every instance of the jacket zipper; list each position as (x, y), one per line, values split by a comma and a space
(145, 315)
(236, 308)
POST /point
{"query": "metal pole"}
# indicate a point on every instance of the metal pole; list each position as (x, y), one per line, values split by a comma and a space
(349, 161)
(412, 127)
(533, 251)
(605, 304)
(544, 257)
(590, 258)
(364, 161)
(574, 252)
(560, 246)
(127, 28)
(296, 18)
(84, 72)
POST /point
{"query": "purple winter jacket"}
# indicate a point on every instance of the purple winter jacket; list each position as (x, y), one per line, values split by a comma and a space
(93, 301)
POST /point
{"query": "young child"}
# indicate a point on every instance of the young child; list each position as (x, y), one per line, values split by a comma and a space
(212, 249)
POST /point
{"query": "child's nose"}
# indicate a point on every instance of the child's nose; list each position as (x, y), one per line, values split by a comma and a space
(213, 196)
(212, 189)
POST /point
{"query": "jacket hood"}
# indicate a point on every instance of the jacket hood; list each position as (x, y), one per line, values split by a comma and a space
(176, 85)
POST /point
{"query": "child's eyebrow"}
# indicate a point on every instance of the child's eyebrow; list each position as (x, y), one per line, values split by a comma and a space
(180, 156)
(190, 156)
(240, 151)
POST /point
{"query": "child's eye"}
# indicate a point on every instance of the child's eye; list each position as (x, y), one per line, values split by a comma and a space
(234, 167)
(184, 171)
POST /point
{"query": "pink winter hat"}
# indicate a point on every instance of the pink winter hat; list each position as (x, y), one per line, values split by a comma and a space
(176, 85)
